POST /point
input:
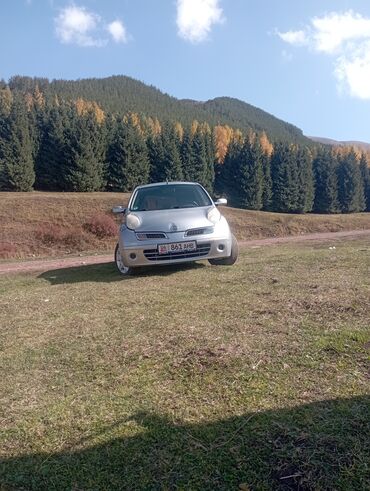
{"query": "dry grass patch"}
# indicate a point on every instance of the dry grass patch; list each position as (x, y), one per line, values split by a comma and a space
(54, 224)
(249, 224)
(194, 377)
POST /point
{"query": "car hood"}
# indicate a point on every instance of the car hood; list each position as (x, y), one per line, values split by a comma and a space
(177, 220)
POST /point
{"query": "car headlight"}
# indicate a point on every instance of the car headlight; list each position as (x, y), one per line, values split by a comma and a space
(213, 215)
(132, 221)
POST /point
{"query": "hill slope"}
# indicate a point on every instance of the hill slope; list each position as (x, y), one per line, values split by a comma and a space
(56, 224)
(328, 141)
(123, 94)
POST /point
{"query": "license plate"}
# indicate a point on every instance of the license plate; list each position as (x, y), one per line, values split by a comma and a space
(177, 247)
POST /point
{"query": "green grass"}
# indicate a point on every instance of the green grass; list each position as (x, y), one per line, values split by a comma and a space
(246, 377)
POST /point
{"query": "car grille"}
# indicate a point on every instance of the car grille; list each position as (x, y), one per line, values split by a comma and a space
(198, 231)
(151, 235)
(201, 250)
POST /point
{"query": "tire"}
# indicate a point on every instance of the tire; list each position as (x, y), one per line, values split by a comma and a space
(122, 269)
(228, 261)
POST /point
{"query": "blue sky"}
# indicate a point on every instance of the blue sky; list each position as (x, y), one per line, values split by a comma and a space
(307, 62)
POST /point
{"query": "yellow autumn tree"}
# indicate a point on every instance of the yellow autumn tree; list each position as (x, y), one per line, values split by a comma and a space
(194, 127)
(98, 112)
(28, 98)
(222, 135)
(151, 126)
(135, 121)
(38, 97)
(205, 129)
(344, 150)
(6, 100)
(179, 130)
(81, 106)
(157, 127)
(266, 145)
(148, 125)
(251, 136)
(84, 107)
(238, 137)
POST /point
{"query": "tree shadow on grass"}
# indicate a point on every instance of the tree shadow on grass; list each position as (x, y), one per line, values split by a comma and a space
(318, 446)
(107, 273)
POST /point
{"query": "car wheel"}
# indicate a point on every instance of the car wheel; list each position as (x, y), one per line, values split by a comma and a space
(228, 261)
(122, 268)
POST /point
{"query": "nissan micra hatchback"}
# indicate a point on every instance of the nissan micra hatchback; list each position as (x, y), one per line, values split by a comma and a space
(169, 223)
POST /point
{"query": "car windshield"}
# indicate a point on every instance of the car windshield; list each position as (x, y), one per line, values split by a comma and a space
(170, 196)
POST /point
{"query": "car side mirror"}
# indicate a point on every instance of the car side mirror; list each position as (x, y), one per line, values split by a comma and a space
(221, 201)
(118, 209)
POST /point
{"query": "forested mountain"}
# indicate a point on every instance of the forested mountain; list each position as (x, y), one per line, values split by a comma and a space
(124, 94)
(362, 146)
(244, 116)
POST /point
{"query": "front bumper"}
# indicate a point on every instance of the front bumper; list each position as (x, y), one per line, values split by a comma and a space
(136, 252)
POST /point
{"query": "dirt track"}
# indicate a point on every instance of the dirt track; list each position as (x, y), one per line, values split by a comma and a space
(69, 262)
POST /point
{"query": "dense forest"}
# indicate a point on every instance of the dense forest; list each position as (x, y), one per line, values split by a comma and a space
(113, 134)
(124, 94)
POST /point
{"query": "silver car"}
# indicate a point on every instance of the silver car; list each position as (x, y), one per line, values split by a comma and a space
(170, 223)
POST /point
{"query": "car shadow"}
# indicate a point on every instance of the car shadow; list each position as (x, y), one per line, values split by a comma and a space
(107, 273)
(321, 445)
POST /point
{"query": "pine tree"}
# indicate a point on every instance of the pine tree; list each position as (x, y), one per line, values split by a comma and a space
(156, 156)
(128, 162)
(267, 181)
(218, 186)
(198, 169)
(326, 182)
(267, 150)
(229, 173)
(365, 174)
(186, 154)
(171, 169)
(6, 100)
(85, 163)
(51, 158)
(306, 190)
(285, 185)
(108, 129)
(37, 113)
(350, 185)
(116, 156)
(210, 150)
(249, 183)
(18, 172)
(3, 136)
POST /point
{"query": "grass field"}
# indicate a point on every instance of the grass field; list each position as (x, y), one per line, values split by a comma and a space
(251, 377)
(57, 224)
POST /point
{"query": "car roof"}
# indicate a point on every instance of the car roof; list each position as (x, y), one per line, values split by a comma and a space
(166, 183)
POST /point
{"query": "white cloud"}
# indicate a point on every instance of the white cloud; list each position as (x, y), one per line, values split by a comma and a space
(346, 37)
(76, 25)
(353, 72)
(333, 30)
(195, 18)
(118, 31)
(297, 38)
